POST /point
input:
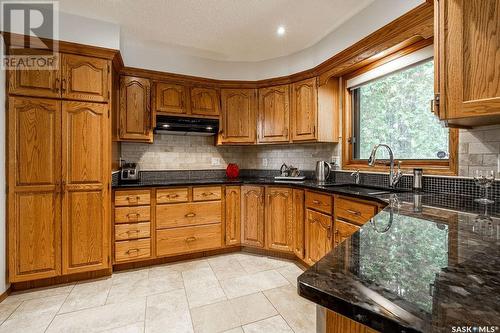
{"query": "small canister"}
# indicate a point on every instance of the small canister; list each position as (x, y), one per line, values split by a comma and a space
(417, 179)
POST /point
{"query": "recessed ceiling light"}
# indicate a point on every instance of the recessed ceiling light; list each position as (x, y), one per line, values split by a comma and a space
(281, 30)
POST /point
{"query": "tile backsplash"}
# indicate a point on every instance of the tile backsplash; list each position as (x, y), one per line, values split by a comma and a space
(172, 152)
(479, 149)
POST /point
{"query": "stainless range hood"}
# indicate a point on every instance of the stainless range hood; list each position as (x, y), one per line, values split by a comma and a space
(186, 126)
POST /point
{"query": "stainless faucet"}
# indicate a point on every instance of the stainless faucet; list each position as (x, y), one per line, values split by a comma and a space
(394, 178)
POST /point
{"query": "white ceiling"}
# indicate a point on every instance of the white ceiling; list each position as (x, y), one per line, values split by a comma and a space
(223, 30)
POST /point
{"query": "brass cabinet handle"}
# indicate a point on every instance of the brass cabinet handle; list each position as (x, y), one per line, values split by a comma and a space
(329, 232)
(316, 202)
(190, 239)
(172, 196)
(63, 87)
(190, 215)
(136, 199)
(129, 251)
(354, 212)
(205, 194)
(133, 215)
(314, 129)
(133, 231)
(57, 83)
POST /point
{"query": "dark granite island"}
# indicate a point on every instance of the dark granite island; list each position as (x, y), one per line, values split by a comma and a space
(413, 268)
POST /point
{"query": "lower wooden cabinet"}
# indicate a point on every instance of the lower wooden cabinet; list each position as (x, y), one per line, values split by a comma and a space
(298, 215)
(279, 222)
(252, 216)
(343, 230)
(133, 250)
(188, 239)
(337, 323)
(318, 232)
(233, 215)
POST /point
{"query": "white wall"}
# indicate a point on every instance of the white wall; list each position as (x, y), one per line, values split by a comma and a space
(3, 235)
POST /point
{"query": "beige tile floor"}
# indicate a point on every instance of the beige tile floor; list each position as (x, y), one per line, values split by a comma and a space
(230, 293)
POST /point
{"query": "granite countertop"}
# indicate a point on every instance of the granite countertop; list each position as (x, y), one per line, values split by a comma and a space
(425, 263)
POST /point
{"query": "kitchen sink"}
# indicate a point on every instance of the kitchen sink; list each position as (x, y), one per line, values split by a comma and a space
(363, 189)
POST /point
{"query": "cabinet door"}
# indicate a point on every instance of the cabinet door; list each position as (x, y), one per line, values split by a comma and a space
(238, 116)
(233, 215)
(469, 60)
(252, 215)
(205, 102)
(274, 117)
(38, 83)
(135, 119)
(343, 230)
(304, 110)
(86, 199)
(298, 223)
(34, 173)
(85, 78)
(170, 98)
(318, 235)
(279, 219)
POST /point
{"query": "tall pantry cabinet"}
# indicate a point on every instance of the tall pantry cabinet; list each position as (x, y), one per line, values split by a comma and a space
(59, 169)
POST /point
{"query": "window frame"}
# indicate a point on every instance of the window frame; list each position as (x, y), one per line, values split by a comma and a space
(438, 167)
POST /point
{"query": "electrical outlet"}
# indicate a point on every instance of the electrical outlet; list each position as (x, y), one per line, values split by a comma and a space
(264, 162)
(215, 161)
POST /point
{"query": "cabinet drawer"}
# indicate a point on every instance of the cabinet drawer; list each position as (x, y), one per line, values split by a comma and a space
(132, 231)
(132, 214)
(171, 195)
(131, 250)
(320, 202)
(186, 214)
(354, 211)
(132, 198)
(207, 193)
(188, 239)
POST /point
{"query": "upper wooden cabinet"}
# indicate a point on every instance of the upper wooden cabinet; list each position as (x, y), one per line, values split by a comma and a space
(78, 78)
(171, 98)
(238, 118)
(467, 62)
(233, 215)
(135, 118)
(304, 110)
(85, 78)
(279, 222)
(274, 114)
(252, 215)
(205, 102)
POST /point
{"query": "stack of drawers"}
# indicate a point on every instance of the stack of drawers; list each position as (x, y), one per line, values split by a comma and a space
(188, 219)
(318, 225)
(132, 225)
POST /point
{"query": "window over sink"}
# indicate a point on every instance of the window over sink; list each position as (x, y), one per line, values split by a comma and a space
(389, 102)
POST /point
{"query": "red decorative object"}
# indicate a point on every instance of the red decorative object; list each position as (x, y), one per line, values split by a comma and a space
(232, 171)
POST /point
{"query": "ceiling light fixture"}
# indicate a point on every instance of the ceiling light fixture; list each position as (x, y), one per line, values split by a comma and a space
(281, 30)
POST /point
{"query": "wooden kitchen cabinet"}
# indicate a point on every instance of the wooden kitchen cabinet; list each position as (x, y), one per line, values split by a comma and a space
(274, 114)
(252, 216)
(205, 102)
(279, 219)
(135, 118)
(171, 98)
(86, 197)
(233, 215)
(298, 214)
(34, 193)
(40, 83)
(318, 231)
(342, 231)
(304, 110)
(85, 78)
(466, 47)
(238, 116)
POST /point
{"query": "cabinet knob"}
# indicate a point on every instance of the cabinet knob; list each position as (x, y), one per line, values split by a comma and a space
(190, 215)
(190, 239)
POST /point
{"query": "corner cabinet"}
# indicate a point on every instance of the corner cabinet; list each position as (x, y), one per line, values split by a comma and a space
(467, 62)
(279, 219)
(238, 116)
(135, 118)
(304, 110)
(252, 216)
(274, 114)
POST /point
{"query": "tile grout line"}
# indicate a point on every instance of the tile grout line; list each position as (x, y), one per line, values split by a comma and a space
(52, 320)
(187, 301)
(280, 314)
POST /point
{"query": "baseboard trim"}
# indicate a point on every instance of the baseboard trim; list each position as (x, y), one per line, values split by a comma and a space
(5, 294)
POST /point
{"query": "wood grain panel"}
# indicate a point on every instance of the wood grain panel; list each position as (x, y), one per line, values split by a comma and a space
(85, 78)
(132, 214)
(298, 216)
(132, 231)
(233, 215)
(188, 239)
(135, 117)
(205, 102)
(207, 193)
(33, 82)
(170, 98)
(238, 118)
(186, 214)
(132, 250)
(252, 215)
(318, 235)
(132, 198)
(172, 195)
(342, 231)
(318, 201)
(274, 114)
(279, 219)
(305, 110)
(337, 323)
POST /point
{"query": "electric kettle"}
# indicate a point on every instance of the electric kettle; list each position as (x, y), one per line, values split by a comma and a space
(323, 170)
